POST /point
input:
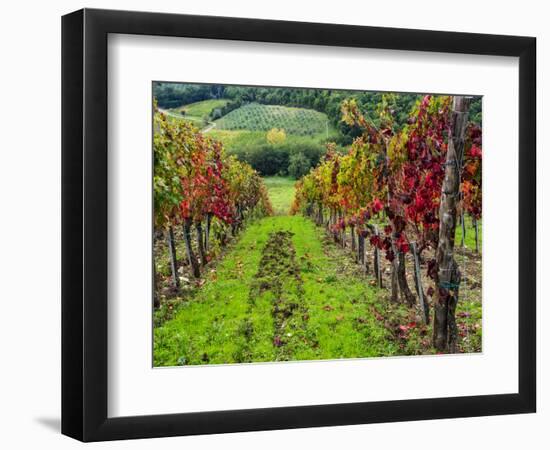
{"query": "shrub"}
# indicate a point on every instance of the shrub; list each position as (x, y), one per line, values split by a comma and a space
(299, 165)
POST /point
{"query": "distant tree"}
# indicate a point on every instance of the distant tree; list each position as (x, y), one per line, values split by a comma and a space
(276, 136)
(216, 114)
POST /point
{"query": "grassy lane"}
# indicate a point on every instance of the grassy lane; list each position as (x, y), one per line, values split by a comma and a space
(340, 303)
(207, 327)
(281, 193)
(320, 311)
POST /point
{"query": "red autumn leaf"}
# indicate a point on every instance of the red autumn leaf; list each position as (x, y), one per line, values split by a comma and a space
(377, 205)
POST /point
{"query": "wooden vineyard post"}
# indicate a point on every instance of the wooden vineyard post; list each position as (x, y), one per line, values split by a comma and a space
(394, 281)
(173, 257)
(207, 233)
(156, 299)
(343, 238)
(377, 270)
(476, 234)
(335, 232)
(463, 240)
(424, 308)
(361, 250)
(445, 332)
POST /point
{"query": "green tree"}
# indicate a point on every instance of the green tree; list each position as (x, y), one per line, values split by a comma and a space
(299, 165)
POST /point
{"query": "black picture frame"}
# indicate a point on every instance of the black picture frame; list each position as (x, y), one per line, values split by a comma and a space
(84, 224)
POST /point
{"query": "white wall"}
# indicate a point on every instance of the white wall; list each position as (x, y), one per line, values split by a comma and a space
(30, 221)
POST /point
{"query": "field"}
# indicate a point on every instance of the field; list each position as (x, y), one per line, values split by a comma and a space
(203, 108)
(243, 132)
(196, 112)
(249, 142)
(257, 117)
(234, 140)
(281, 193)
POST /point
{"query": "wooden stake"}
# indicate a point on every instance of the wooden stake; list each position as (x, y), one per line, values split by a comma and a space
(463, 240)
(377, 261)
(476, 234)
(173, 257)
(423, 306)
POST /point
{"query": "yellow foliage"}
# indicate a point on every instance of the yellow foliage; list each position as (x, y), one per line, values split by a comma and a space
(276, 136)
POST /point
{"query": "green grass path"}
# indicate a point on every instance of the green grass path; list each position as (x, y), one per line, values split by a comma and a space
(281, 193)
(321, 312)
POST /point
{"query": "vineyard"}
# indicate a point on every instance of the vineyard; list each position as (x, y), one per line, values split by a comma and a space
(376, 251)
(257, 117)
(200, 190)
(405, 192)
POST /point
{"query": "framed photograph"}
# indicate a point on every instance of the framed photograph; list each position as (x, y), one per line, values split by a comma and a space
(273, 225)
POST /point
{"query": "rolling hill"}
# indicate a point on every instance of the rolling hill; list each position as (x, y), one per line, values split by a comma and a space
(258, 117)
(198, 111)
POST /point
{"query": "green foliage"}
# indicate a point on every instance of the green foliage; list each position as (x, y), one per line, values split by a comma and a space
(173, 95)
(269, 159)
(299, 165)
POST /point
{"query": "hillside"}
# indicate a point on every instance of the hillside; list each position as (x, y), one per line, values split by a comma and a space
(258, 117)
(202, 108)
(198, 112)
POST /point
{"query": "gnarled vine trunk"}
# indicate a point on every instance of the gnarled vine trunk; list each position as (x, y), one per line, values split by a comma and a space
(424, 306)
(406, 293)
(156, 299)
(190, 253)
(448, 275)
(320, 218)
(207, 232)
(200, 243)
